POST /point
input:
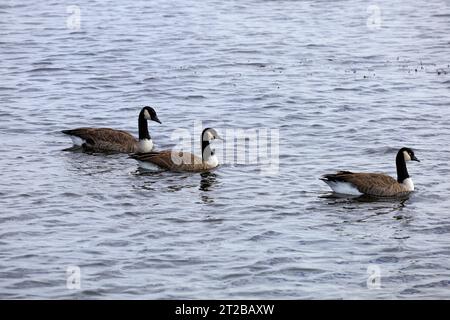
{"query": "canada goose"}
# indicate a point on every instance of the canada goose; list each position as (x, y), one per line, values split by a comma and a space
(106, 139)
(182, 161)
(375, 184)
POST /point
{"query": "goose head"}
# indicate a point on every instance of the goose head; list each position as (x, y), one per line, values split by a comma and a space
(408, 154)
(208, 154)
(210, 134)
(150, 114)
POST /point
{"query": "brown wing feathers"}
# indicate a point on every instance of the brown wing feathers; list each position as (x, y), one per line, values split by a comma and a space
(163, 159)
(369, 183)
(105, 139)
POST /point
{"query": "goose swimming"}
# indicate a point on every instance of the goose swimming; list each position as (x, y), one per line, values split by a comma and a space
(112, 140)
(375, 184)
(183, 161)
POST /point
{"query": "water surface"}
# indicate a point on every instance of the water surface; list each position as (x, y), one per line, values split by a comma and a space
(343, 94)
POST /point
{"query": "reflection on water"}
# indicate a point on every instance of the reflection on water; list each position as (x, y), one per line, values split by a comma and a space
(207, 182)
(377, 205)
(366, 198)
(167, 181)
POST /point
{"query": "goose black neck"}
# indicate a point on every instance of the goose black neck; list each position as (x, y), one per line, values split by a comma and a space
(402, 171)
(206, 150)
(143, 127)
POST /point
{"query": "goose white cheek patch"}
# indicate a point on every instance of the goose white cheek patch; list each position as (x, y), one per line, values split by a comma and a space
(208, 136)
(406, 156)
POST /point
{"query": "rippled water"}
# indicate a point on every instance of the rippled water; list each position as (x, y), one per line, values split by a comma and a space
(344, 88)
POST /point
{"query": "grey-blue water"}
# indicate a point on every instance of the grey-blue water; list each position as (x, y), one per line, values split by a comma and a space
(346, 84)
